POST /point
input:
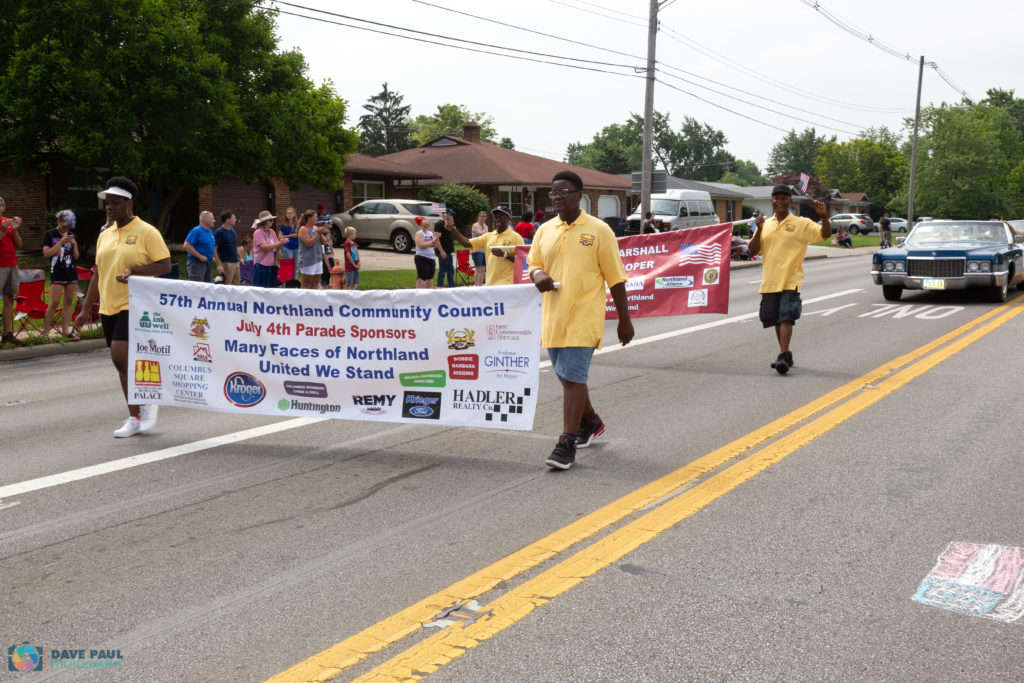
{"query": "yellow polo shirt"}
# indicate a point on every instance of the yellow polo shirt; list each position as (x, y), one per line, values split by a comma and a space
(136, 244)
(783, 248)
(582, 256)
(499, 270)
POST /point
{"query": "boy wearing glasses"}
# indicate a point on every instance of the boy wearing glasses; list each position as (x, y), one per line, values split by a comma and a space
(581, 253)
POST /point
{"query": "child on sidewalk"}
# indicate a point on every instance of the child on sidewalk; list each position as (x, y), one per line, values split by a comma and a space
(351, 259)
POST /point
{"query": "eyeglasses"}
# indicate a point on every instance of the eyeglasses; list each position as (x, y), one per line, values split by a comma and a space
(560, 193)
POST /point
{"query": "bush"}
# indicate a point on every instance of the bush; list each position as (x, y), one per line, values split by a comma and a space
(465, 201)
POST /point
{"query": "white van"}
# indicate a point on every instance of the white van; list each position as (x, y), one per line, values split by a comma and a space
(677, 210)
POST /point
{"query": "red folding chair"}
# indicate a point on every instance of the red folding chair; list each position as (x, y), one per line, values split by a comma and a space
(29, 307)
(286, 273)
(464, 271)
(84, 276)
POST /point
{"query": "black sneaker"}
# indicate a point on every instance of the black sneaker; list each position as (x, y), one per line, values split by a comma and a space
(588, 430)
(780, 365)
(564, 455)
(789, 358)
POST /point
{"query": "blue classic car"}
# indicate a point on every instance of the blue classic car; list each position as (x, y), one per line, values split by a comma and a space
(941, 255)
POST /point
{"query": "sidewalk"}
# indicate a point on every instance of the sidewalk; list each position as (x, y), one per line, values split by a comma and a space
(373, 258)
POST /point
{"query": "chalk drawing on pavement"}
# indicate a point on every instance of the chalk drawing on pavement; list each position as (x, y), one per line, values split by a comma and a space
(980, 580)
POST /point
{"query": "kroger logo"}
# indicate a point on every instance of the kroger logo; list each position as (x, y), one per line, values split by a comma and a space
(244, 390)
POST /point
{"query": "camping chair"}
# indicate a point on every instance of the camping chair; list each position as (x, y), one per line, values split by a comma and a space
(286, 274)
(463, 271)
(29, 307)
(246, 272)
(84, 276)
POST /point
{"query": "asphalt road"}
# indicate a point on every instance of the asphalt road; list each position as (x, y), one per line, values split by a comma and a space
(792, 521)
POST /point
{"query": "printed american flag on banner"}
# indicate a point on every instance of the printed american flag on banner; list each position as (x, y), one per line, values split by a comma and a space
(709, 253)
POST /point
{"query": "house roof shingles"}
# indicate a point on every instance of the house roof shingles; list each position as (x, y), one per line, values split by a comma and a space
(481, 163)
(362, 164)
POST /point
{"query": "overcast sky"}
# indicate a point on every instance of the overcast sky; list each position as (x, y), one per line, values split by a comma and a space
(782, 50)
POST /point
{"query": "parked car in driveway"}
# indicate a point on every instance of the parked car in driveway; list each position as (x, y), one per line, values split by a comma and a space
(853, 222)
(941, 255)
(384, 220)
(898, 224)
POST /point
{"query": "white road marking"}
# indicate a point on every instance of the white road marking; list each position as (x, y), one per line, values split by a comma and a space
(234, 437)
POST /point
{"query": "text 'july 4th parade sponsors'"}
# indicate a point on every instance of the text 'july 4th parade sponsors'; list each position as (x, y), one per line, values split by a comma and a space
(466, 356)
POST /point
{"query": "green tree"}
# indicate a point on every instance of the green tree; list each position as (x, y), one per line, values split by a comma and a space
(871, 163)
(449, 120)
(464, 200)
(386, 127)
(507, 143)
(743, 173)
(796, 152)
(175, 94)
(968, 163)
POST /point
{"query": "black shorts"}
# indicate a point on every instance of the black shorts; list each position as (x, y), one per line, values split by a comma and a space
(425, 267)
(115, 327)
(780, 307)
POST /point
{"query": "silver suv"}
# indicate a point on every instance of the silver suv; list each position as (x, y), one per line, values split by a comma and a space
(384, 220)
(853, 222)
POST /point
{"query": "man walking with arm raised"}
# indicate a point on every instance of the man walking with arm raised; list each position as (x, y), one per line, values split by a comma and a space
(783, 239)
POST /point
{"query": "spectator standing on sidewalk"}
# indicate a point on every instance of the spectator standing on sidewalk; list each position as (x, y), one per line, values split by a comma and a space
(445, 264)
(201, 248)
(479, 256)
(10, 242)
(352, 264)
(427, 245)
(525, 228)
(266, 243)
(580, 252)
(783, 241)
(885, 226)
(289, 231)
(60, 246)
(129, 248)
(226, 254)
(310, 263)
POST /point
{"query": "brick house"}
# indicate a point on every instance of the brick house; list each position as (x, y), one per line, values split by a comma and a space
(506, 176)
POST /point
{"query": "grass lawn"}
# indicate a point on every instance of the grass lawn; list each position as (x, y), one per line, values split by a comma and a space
(858, 241)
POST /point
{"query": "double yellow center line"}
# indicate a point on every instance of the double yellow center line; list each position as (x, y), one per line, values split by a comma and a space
(434, 652)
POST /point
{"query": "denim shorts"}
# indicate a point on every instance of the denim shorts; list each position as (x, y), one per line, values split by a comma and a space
(572, 363)
(479, 258)
(352, 278)
(780, 307)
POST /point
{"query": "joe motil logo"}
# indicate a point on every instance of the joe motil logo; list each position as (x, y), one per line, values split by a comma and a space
(422, 405)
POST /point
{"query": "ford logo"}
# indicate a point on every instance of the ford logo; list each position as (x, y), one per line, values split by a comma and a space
(421, 411)
(244, 390)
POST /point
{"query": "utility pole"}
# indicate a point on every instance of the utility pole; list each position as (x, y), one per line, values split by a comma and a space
(913, 148)
(646, 167)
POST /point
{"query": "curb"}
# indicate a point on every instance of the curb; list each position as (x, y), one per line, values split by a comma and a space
(54, 349)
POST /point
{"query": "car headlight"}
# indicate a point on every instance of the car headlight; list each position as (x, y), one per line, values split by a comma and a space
(889, 266)
(979, 267)
(901, 266)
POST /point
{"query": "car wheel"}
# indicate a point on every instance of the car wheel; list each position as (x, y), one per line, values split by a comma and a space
(401, 241)
(997, 294)
(362, 244)
(892, 292)
(337, 238)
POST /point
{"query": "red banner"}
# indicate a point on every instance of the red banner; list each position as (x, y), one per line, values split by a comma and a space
(678, 272)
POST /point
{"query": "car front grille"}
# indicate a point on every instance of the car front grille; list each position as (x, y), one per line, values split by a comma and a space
(937, 267)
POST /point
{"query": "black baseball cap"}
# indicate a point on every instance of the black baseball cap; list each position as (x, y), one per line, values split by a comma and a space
(782, 189)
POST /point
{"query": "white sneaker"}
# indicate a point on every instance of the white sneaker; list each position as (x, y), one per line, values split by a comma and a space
(147, 418)
(131, 427)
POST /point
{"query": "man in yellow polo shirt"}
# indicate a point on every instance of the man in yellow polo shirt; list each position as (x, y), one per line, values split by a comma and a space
(783, 239)
(500, 262)
(580, 253)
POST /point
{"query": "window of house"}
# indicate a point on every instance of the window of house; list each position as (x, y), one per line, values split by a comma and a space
(366, 189)
(512, 197)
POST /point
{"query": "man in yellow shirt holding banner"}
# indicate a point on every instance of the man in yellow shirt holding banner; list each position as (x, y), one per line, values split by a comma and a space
(580, 253)
(783, 239)
(499, 261)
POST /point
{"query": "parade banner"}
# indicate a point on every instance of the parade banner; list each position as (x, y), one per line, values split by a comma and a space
(467, 356)
(678, 272)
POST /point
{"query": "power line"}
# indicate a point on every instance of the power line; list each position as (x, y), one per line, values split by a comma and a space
(434, 42)
(884, 47)
(713, 104)
(733, 64)
(528, 30)
(598, 14)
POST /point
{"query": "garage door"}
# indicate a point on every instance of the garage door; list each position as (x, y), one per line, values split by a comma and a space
(244, 199)
(608, 206)
(308, 198)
